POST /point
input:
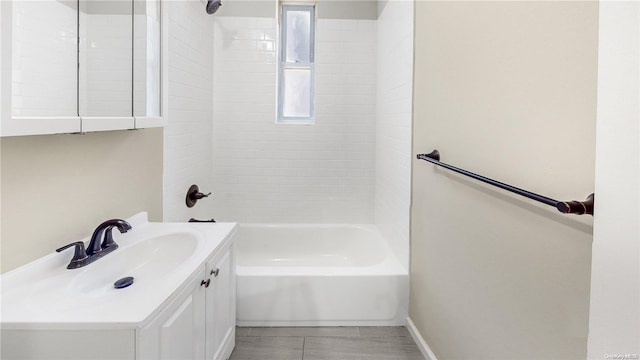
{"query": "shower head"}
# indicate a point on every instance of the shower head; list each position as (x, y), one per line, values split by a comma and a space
(213, 6)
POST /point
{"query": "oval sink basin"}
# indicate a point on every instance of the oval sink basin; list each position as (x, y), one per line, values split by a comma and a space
(145, 260)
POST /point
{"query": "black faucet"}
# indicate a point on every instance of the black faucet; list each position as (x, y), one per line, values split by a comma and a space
(98, 247)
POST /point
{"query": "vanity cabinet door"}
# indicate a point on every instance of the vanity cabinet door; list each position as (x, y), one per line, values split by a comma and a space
(200, 323)
(221, 306)
(179, 331)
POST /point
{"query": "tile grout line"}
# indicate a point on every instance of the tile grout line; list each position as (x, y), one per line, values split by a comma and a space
(304, 341)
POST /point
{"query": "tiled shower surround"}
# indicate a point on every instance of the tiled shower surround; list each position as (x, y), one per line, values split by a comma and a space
(393, 125)
(269, 172)
(187, 136)
(352, 165)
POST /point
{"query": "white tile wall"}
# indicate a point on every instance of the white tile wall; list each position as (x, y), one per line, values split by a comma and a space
(187, 136)
(345, 168)
(44, 29)
(268, 172)
(393, 127)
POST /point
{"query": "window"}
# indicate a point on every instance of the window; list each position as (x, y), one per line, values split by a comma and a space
(296, 72)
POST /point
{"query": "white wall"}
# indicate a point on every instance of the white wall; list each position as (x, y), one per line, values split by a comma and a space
(614, 317)
(268, 172)
(187, 136)
(326, 9)
(347, 9)
(506, 90)
(393, 125)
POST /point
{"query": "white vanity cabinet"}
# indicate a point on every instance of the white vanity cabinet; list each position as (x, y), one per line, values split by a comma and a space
(180, 306)
(200, 322)
(178, 332)
(221, 306)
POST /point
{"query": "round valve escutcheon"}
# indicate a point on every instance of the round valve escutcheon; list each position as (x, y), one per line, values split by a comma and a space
(193, 195)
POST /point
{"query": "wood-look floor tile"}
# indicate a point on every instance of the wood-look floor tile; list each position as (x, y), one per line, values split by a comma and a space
(327, 331)
(382, 331)
(242, 331)
(361, 348)
(268, 348)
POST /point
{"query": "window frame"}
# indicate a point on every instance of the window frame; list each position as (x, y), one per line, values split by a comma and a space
(284, 65)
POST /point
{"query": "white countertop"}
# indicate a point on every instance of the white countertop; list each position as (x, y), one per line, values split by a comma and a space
(44, 294)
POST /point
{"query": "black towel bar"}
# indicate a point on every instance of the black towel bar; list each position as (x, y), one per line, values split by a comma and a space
(565, 207)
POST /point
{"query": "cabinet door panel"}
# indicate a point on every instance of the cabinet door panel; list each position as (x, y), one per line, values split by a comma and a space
(221, 307)
(178, 332)
(44, 58)
(146, 58)
(105, 62)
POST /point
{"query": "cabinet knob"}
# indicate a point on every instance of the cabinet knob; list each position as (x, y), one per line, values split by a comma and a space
(215, 272)
(205, 283)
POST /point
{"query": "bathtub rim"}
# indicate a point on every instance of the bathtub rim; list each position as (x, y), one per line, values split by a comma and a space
(390, 265)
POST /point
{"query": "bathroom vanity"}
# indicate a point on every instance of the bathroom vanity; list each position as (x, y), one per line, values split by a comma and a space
(181, 304)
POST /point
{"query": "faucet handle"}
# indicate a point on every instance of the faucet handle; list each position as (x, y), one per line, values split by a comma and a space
(193, 195)
(108, 240)
(79, 255)
(122, 226)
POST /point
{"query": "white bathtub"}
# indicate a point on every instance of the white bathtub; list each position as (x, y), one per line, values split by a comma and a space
(318, 275)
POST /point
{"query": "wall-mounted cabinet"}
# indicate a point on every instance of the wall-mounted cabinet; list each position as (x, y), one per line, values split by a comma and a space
(73, 66)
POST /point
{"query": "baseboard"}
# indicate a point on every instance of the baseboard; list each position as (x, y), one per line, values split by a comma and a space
(422, 345)
(296, 323)
(229, 344)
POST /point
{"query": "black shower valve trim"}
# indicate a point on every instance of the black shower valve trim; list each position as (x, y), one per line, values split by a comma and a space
(193, 195)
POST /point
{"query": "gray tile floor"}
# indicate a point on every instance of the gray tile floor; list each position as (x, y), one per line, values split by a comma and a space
(325, 343)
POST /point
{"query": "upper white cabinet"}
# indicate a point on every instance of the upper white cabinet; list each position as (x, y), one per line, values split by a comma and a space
(147, 70)
(73, 66)
(39, 67)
